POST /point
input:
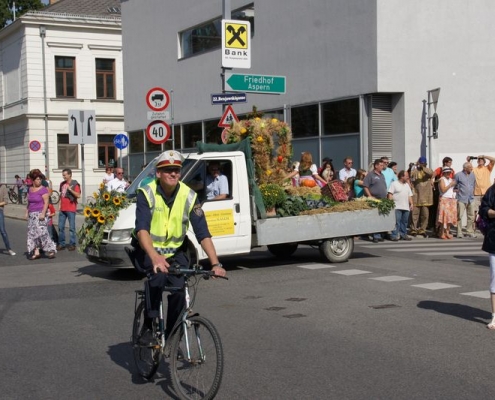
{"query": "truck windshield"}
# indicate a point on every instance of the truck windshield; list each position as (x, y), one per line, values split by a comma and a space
(149, 173)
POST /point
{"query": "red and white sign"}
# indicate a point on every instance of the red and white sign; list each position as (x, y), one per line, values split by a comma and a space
(34, 145)
(157, 99)
(158, 132)
(228, 117)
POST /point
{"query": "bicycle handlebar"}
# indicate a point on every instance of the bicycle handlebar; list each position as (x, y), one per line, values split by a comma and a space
(175, 269)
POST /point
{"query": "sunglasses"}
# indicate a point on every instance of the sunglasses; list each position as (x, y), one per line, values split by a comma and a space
(171, 170)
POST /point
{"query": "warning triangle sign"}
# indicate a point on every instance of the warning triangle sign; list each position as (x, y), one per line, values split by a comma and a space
(228, 117)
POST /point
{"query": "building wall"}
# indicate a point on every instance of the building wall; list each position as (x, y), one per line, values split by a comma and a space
(427, 44)
(326, 49)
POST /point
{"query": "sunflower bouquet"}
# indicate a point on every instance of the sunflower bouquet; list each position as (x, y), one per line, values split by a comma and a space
(99, 215)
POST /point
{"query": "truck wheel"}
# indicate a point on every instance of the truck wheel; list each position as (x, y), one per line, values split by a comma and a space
(337, 250)
(282, 250)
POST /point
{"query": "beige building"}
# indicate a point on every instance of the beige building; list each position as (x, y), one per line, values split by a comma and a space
(66, 57)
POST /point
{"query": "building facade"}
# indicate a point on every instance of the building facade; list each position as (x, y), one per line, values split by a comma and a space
(359, 73)
(66, 57)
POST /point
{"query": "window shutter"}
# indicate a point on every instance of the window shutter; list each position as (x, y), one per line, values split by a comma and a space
(381, 126)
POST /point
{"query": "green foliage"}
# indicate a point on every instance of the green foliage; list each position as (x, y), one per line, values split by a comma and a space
(292, 206)
(21, 7)
(273, 195)
(384, 205)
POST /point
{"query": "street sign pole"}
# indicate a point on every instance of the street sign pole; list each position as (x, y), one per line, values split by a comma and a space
(226, 14)
(83, 187)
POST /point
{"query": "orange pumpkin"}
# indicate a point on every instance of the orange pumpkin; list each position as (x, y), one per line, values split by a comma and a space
(308, 183)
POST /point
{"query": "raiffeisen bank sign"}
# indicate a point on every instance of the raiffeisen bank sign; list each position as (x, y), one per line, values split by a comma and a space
(236, 44)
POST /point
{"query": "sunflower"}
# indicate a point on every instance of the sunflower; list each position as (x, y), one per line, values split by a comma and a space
(87, 212)
(101, 219)
(116, 201)
(95, 213)
(102, 186)
(106, 196)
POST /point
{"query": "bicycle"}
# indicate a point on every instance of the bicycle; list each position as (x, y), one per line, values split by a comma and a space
(193, 346)
(14, 196)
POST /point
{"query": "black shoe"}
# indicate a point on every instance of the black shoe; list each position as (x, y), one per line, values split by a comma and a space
(147, 338)
(60, 247)
(413, 233)
(71, 248)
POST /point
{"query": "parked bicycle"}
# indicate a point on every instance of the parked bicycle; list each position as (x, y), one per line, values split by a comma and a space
(193, 347)
(14, 196)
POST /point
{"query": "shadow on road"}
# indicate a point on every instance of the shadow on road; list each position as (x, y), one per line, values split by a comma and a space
(457, 310)
(121, 354)
(476, 260)
(111, 274)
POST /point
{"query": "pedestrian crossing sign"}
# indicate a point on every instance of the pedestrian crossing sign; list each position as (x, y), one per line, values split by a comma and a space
(228, 118)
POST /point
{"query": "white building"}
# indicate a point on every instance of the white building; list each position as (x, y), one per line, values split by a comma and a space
(357, 73)
(66, 57)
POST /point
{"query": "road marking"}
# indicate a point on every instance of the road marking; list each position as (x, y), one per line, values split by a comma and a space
(449, 253)
(436, 286)
(350, 272)
(484, 294)
(422, 245)
(392, 278)
(316, 266)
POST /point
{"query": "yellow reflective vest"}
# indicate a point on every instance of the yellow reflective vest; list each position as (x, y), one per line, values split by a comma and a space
(169, 225)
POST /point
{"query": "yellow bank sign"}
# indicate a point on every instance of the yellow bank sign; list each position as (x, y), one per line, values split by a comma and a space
(236, 44)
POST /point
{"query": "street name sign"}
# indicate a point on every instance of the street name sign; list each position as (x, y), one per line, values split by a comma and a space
(228, 98)
(267, 84)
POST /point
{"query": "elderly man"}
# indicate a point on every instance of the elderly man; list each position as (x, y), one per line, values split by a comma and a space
(118, 184)
(422, 197)
(465, 199)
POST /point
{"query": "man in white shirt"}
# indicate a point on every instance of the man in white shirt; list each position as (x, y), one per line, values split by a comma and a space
(217, 184)
(118, 184)
(401, 193)
(347, 171)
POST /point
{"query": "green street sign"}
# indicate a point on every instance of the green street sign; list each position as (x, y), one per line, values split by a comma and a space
(255, 83)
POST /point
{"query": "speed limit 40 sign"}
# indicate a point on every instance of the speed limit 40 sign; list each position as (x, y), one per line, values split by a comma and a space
(158, 132)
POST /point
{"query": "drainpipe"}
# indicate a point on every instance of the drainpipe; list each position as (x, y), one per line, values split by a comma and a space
(45, 107)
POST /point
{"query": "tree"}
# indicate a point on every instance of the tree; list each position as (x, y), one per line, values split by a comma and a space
(21, 7)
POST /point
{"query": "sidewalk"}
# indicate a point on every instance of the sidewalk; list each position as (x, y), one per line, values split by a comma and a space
(18, 211)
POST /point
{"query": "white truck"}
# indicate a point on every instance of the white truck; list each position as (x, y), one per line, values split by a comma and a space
(236, 224)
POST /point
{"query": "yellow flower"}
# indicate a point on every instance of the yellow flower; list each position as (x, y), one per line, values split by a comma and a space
(268, 172)
(243, 131)
(111, 218)
(106, 197)
(259, 138)
(102, 186)
(95, 195)
(101, 219)
(116, 201)
(95, 213)
(274, 120)
(87, 212)
(257, 118)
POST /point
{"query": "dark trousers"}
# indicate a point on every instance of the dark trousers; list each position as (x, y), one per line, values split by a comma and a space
(157, 282)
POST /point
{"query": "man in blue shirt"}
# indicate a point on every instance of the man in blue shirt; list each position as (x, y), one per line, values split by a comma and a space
(217, 184)
(388, 173)
(465, 199)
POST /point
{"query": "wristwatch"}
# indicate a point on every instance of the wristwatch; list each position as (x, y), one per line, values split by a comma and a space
(217, 265)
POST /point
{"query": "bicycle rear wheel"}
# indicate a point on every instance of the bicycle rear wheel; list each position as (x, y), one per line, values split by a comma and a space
(196, 375)
(55, 197)
(13, 197)
(146, 356)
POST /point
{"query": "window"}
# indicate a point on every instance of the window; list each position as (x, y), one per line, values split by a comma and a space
(304, 121)
(68, 154)
(105, 78)
(208, 35)
(213, 133)
(340, 117)
(136, 142)
(191, 134)
(107, 152)
(65, 76)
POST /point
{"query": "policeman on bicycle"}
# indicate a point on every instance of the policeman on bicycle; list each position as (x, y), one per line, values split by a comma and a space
(165, 207)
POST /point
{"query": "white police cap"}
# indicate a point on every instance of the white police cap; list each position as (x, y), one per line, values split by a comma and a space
(170, 158)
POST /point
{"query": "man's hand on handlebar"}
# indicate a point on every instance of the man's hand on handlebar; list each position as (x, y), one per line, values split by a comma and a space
(219, 271)
(160, 264)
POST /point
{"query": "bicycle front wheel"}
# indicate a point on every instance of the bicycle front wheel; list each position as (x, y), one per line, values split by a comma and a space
(55, 197)
(146, 355)
(13, 197)
(196, 372)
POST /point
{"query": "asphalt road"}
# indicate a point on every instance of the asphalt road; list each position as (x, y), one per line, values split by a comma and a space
(390, 324)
